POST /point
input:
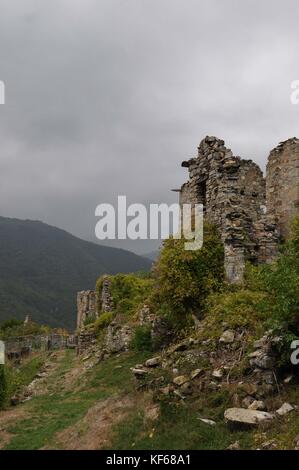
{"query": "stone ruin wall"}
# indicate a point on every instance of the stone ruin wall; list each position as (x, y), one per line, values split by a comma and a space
(86, 306)
(282, 186)
(252, 213)
(87, 303)
(106, 300)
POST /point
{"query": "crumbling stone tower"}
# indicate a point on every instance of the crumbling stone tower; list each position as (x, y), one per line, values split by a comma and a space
(86, 306)
(87, 303)
(233, 193)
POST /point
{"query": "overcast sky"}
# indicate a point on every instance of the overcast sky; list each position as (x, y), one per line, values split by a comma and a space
(107, 97)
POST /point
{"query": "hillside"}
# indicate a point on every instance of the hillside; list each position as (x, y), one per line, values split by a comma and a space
(42, 268)
(183, 360)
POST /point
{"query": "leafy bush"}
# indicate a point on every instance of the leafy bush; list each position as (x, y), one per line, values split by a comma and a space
(3, 386)
(103, 321)
(142, 340)
(281, 283)
(236, 308)
(90, 320)
(185, 278)
(13, 328)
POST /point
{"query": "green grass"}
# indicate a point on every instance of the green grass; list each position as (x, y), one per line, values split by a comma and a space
(18, 377)
(178, 428)
(53, 412)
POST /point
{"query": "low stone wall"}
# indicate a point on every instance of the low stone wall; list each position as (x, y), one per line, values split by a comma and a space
(22, 346)
(86, 338)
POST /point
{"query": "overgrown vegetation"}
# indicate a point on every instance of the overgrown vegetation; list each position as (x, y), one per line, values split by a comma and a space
(103, 321)
(184, 279)
(14, 328)
(129, 291)
(183, 283)
(3, 386)
(142, 340)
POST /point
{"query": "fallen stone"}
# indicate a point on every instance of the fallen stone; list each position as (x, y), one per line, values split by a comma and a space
(217, 373)
(153, 362)
(180, 380)
(139, 372)
(268, 377)
(288, 379)
(208, 421)
(269, 444)
(263, 361)
(178, 394)
(227, 337)
(296, 442)
(285, 409)
(260, 343)
(86, 358)
(247, 401)
(234, 446)
(195, 373)
(241, 416)
(257, 405)
(255, 354)
(180, 346)
(166, 390)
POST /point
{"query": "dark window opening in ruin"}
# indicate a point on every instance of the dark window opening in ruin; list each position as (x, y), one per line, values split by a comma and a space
(202, 192)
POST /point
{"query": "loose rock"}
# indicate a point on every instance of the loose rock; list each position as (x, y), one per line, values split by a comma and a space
(241, 416)
(227, 337)
(284, 409)
(153, 362)
(180, 380)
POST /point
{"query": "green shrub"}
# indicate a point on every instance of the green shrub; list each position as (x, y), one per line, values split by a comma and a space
(184, 278)
(3, 386)
(142, 340)
(237, 308)
(103, 321)
(280, 281)
(90, 320)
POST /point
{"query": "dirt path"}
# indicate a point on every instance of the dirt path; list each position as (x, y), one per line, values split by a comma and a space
(94, 431)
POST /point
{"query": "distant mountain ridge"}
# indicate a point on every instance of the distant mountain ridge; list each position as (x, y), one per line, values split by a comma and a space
(152, 255)
(42, 267)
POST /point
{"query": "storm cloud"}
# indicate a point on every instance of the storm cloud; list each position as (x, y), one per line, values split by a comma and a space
(107, 97)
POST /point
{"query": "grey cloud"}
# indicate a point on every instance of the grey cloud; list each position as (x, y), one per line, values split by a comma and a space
(107, 97)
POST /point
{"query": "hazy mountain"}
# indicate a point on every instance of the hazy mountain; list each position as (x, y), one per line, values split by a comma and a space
(42, 267)
(152, 255)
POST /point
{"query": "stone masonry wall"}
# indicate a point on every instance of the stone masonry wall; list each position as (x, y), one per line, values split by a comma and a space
(106, 300)
(283, 183)
(87, 303)
(233, 193)
(86, 306)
